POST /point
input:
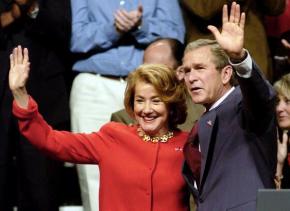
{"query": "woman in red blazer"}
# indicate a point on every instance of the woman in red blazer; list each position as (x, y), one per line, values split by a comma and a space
(140, 165)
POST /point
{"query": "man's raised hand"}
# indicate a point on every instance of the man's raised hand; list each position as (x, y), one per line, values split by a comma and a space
(231, 37)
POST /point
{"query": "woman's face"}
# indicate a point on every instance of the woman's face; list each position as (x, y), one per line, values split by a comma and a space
(283, 112)
(150, 111)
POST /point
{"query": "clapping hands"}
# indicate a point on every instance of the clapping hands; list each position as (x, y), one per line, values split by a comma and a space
(286, 44)
(282, 146)
(126, 21)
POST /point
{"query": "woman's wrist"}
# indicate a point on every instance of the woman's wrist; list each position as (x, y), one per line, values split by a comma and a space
(21, 97)
(279, 169)
(278, 180)
(281, 162)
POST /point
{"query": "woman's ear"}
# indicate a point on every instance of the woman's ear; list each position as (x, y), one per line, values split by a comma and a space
(180, 73)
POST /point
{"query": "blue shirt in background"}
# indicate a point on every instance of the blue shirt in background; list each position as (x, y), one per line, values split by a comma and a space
(105, 50)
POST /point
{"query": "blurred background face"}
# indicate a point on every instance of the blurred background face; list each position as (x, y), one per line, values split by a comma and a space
(150, 111)
(203, 80)
(160, 53)
(283, 112)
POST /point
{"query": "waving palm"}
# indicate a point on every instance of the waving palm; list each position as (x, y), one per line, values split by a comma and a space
(19, 68)
(231, 37)
(18, 75)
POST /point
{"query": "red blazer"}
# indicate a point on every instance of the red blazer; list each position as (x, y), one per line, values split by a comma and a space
(134, 175)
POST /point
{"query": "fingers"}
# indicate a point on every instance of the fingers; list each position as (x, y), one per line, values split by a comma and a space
(243, 20)
(123, 17)
(126, 21)
(232, 12)
(14, 56)
(140, 8)
(214, 31)
(27, 69)
(285, 137)
(277, 135)
(25, 56)
(19, 54)
(285, 43)
(235, 15)
(225, 14)
(11, 61)
(123, 21)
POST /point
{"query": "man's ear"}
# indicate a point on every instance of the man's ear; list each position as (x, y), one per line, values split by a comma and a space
(226, 74)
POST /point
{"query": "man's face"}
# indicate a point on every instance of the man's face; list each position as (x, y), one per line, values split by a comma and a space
(204, 82)
(159, 53)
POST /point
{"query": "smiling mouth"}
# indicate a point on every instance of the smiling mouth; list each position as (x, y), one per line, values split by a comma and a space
(195, 89)
(283, 117)
(148, 119)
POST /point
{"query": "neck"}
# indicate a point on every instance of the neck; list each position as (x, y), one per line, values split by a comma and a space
(222, 96)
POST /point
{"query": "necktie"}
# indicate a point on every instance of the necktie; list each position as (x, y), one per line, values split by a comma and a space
(192, 153)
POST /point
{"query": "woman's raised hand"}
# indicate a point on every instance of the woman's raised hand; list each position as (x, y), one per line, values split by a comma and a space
(18, 75)
(282, 146)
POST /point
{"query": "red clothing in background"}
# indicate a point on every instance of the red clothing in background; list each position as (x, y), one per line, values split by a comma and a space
(134, 175)
(277, 25)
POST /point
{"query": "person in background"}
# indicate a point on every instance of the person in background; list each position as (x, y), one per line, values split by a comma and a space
(110, 39)
(277, 29)
(168, 52)
(237, 133)
(134, 161)
(286, 44)
(29, 179)
(198, 14)
(282, 87)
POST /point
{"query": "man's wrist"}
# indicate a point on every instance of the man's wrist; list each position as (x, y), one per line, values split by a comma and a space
(243, 67)
(239, 57)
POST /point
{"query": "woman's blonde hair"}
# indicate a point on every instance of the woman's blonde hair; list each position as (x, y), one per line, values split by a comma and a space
(172, 92)
(282, 86)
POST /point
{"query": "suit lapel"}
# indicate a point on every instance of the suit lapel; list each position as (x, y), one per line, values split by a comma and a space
(187, 175)
(225, 111)
(205, 132)
(207, 135)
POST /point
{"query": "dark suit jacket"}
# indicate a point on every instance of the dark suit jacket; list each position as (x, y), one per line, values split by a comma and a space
(194, 111)
(238, 147)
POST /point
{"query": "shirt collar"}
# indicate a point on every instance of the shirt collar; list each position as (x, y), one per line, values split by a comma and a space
(219, 101)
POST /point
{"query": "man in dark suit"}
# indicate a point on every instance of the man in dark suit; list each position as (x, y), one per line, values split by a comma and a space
(169, 52)
(236, 134)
